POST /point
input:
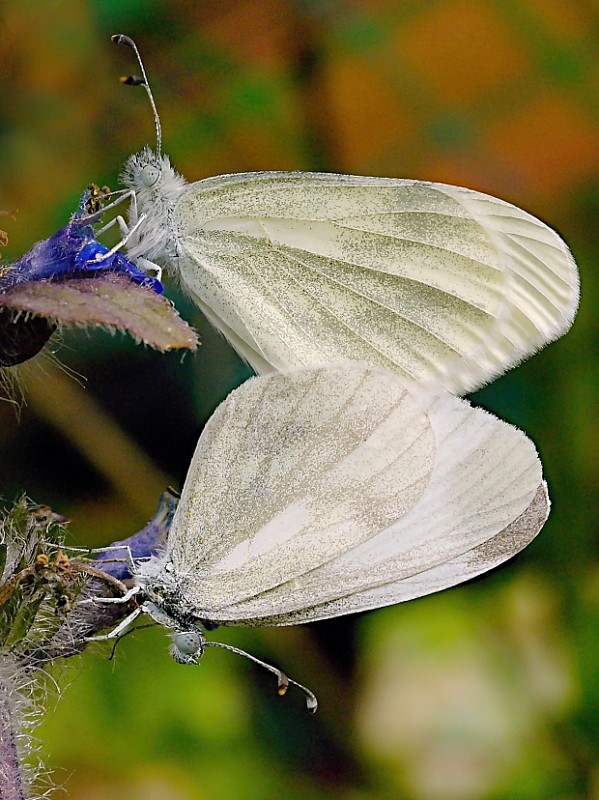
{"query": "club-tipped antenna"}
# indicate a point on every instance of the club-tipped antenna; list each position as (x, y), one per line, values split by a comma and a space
(282, 679)
(120, 38)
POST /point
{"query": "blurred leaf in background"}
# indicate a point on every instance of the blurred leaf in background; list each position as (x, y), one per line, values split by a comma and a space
(485, 691)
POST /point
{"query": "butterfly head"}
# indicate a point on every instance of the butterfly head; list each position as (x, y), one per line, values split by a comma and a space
(187, 646)
(148, 172)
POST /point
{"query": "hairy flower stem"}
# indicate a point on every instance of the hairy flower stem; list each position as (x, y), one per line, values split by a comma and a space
(12, 779)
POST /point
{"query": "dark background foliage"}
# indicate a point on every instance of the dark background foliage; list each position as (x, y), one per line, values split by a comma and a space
(486, 691)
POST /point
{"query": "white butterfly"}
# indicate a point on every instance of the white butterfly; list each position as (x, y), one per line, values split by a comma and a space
(441, 284)
(327, 491)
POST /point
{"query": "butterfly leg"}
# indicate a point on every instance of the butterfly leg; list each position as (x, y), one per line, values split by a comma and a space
(150, 268)
(90, 551)
(130, 231)
(118, 630)
(124, 551)
(118, 220)
(124, 227)
(109, 601)
(90, 219)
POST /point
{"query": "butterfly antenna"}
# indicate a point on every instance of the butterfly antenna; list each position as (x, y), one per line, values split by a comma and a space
(283, 680)
(119, 639)
(120, 38)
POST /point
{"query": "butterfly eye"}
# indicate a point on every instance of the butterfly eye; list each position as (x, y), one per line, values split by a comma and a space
(150, 175)
(188, 643)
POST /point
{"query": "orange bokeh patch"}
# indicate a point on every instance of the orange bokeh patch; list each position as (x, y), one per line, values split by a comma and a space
(463, 50)
(551, 142)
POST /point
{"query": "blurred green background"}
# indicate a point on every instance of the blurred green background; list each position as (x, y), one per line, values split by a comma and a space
(489, 690)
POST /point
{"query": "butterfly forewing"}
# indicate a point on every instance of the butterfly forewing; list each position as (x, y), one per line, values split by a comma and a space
(442, 284)
(316, 490)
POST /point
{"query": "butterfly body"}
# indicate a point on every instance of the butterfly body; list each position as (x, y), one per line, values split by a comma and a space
(326, 491)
